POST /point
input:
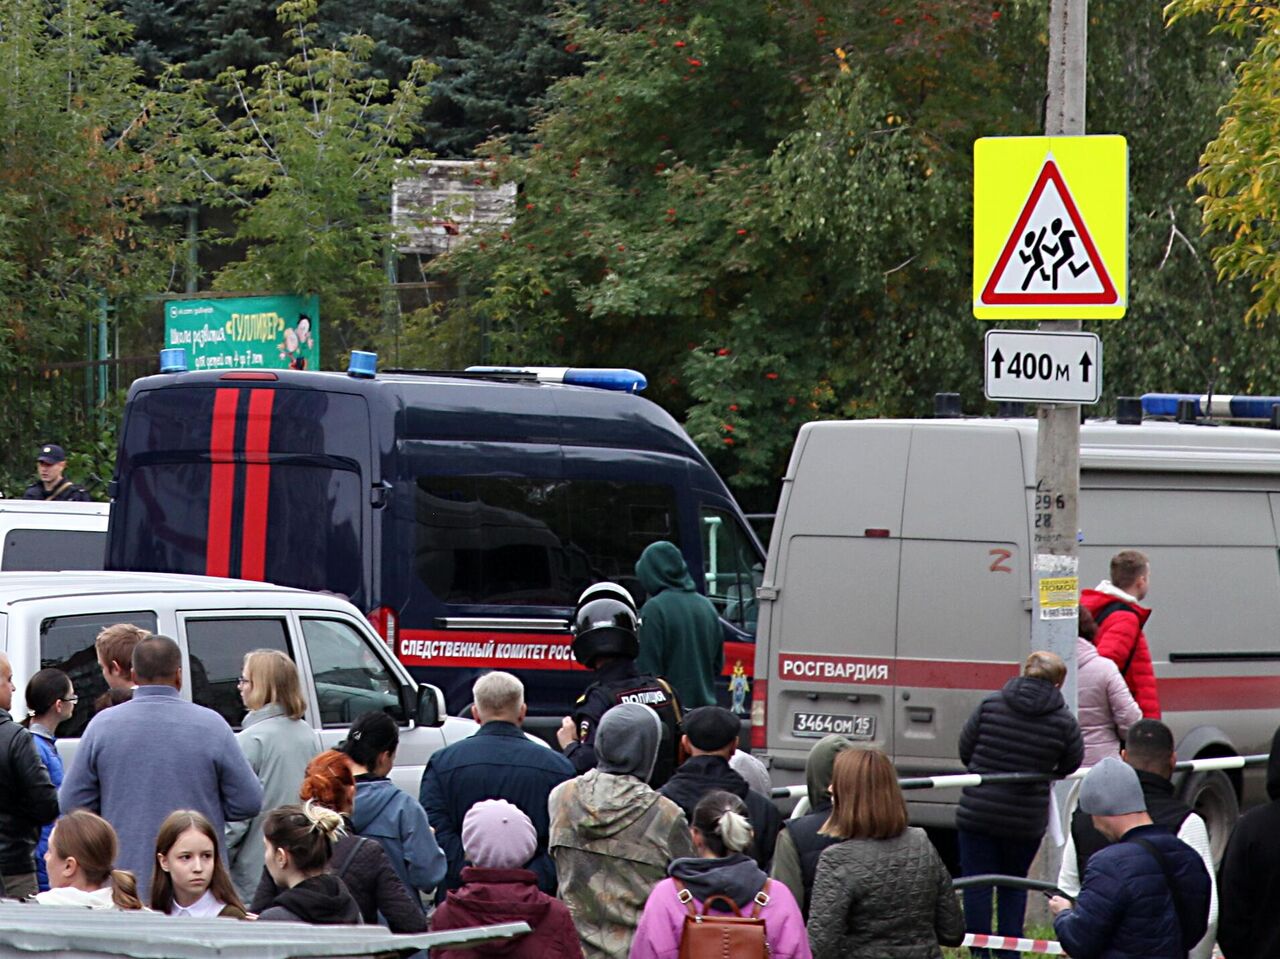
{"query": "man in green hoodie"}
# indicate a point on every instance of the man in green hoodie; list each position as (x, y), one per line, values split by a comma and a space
(681, 638)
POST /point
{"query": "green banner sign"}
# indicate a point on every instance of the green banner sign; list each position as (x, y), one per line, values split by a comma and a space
(271, 332)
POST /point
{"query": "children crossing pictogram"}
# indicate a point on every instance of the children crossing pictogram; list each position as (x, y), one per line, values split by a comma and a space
(1056, 261)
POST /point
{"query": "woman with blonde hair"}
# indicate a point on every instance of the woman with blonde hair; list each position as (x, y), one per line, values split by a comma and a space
(80, 862)
(278, 744)
(882, 890)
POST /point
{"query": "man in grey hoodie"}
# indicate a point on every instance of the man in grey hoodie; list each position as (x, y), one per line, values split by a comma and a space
(612, 836)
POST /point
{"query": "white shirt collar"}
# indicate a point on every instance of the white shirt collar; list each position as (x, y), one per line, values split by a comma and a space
(206, 907)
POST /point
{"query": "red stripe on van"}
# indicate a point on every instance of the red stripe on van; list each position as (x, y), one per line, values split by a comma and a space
(1214, 693)
(880, 671)
(257, 479)
(222, 482)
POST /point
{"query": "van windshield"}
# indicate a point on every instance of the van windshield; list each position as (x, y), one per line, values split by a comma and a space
(49, 549)
(528, 542)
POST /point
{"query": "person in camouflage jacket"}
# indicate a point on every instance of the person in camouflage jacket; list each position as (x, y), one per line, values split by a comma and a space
(612, 836)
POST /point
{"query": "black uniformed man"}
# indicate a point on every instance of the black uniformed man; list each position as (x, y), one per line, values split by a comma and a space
(604, 629)
(52, 485)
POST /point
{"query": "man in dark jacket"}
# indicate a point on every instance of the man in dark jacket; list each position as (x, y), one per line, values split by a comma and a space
(711, 737)
(1147, 894)
(52, 485)
(1025, 727)
(681, 638)
(498, 762)
(28, 799)
(1249, 887)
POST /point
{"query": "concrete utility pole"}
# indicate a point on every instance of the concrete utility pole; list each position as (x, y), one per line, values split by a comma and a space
(1058, 433)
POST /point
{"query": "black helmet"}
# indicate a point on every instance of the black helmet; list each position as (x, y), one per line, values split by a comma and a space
(604, 626)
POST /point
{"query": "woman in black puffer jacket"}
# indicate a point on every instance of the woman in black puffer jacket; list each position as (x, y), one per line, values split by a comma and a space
(1025, 727)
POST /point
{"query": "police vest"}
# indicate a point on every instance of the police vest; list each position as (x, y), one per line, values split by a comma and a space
(657, 695)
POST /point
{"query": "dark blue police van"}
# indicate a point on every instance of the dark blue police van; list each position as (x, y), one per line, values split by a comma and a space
(463, 512)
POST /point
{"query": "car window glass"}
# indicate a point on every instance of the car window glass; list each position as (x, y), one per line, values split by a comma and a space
(46, 549)
(66, 643)
(350, 678)
(731, 568)
(217, 648)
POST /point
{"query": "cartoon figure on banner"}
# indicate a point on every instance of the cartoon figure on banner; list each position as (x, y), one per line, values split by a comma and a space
(738, 689)
(291, 350)
(303, 329)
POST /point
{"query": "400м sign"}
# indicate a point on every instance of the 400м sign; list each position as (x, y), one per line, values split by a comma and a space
(1040, 367)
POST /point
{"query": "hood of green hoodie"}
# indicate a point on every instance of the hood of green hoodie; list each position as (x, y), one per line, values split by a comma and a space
(662, 566)
(817, 768)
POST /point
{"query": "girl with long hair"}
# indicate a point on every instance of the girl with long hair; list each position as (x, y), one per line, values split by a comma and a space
(80, 862)
(190, 878)
(298, 844)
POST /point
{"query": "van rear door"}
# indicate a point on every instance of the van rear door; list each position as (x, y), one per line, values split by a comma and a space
(259, 482)
(964, 600)
(832, 626)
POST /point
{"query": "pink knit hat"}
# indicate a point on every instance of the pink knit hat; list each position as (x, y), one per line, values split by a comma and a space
(498, 835)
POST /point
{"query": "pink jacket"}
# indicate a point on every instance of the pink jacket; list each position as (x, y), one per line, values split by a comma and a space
(658, 935)
(1106, 708)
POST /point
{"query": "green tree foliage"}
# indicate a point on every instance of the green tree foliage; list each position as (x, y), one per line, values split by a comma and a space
(764, 207)
(306, 161)
(85, 161)
(497, 58)
(1238, 172)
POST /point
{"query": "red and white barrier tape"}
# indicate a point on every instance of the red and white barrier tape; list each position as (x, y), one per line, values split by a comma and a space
(1043, 946)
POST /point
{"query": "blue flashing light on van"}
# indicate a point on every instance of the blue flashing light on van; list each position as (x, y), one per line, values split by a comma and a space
(463, 513)
(1223, 405)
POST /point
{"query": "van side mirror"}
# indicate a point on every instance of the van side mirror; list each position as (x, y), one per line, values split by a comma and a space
(430, 708)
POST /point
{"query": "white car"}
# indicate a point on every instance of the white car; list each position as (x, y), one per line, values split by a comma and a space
(37, 534)
(50, 619)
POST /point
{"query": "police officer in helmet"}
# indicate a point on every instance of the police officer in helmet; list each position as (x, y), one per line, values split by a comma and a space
(604, 640)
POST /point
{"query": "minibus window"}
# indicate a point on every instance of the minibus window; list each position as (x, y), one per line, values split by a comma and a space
(217, 647)
(350, 678)
(491, 540)
(66, 643)
(731, 568)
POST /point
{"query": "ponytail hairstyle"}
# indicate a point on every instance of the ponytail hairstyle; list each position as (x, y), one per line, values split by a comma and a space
(220, 884)
(371, 735)
(721, 818)
(305, 832)
(329, 781)
(90, 840)
(44, 689)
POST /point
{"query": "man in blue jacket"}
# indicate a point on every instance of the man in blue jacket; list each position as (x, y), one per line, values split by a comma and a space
(498, 762)
(1147, 894)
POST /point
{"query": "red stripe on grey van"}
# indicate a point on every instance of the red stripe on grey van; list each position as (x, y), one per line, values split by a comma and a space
(487, 649)
(878, 671)
(222, 482)
(1214, 693)
(257, 485)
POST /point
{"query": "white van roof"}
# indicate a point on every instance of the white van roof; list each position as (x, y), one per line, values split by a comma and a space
(47, 506)
(1107, 445)
(17, 587)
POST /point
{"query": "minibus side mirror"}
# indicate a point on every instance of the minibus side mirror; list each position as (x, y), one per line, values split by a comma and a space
(430, 708)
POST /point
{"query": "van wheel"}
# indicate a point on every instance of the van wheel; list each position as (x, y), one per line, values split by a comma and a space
(1213, 797)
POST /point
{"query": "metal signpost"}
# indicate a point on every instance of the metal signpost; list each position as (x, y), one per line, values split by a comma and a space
(1051, 244)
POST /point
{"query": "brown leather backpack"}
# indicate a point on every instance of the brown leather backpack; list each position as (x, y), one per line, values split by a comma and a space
(708, 935)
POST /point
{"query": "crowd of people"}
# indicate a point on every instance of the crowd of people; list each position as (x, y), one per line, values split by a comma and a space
(648, 834)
